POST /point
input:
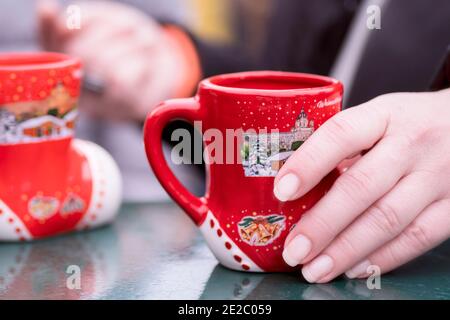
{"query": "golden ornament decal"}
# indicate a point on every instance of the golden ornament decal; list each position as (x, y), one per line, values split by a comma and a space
(261, 230)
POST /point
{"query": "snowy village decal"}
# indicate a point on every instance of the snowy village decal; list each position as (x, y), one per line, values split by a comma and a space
(34, 121)
(261, 230)
(264, 154)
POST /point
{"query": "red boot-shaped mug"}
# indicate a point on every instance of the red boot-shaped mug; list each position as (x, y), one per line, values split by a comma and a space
(251, 123)
(50, 183)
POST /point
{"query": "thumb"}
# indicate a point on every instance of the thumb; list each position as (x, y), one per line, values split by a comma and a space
(51, 29)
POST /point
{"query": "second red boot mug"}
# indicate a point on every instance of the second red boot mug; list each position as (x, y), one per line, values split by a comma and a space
(50, 183)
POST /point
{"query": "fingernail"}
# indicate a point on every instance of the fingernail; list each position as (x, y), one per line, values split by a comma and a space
(296, 250)
(358, 270)
(318, 268)
(286, 187)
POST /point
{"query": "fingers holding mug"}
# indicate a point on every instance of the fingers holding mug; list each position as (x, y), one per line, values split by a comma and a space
(347, 133)
(352, 194)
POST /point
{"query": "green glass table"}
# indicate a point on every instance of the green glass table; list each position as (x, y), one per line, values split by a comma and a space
(153, 251)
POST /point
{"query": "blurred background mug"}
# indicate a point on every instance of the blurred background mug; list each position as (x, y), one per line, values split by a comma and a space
(251, 123)
(50, 183)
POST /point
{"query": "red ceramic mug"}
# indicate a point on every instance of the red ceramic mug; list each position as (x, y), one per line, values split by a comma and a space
(50, 183)
(275, 112)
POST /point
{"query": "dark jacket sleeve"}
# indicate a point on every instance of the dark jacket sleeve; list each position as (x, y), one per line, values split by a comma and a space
(219, 59)
(302, 35)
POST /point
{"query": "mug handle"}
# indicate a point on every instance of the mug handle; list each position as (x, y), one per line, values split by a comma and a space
(175, 109)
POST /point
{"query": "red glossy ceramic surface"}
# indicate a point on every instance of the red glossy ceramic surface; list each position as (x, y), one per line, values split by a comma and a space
(242, 221)
(49, 183)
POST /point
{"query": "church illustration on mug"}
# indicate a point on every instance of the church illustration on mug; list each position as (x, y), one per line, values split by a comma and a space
(264, 154)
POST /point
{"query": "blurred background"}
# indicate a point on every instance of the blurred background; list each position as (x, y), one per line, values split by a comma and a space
(137, 53)
(209, 20)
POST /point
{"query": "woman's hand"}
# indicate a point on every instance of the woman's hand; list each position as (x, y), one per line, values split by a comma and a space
(388, 207)
(138, 62)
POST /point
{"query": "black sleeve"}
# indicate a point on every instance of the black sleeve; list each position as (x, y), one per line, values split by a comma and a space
(301, 35)
(217, 59)
(306, 36)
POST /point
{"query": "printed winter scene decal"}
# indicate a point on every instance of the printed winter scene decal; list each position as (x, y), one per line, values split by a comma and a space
(53, 117)
(264, 154)
(261, 230)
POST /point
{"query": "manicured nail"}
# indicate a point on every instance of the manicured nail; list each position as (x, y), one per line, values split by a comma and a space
(359, 270)
(296, 250)
(318, 268)
(286, 187)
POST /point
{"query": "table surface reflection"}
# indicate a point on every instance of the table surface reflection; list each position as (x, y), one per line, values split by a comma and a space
(153, 251)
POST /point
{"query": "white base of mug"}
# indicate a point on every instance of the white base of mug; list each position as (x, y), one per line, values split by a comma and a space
(224, 248)
(10, 224)
(106, 185)
(105, 199)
